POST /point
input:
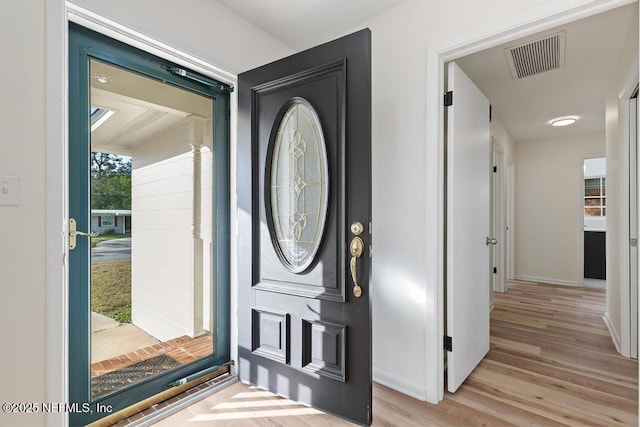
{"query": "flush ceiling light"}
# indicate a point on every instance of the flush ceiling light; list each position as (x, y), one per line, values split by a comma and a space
(563, 122)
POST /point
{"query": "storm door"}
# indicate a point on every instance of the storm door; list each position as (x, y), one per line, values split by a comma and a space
(148, 227)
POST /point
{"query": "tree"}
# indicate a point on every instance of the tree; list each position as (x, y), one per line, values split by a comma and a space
(110, 181)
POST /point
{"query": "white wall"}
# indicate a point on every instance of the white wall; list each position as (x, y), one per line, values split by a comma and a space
(623, 72)
(23, 233)
(170, 257)
(502, 138)
(406, 191)
(549, 213)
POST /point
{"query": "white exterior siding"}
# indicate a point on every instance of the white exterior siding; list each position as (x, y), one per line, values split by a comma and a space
(168, 259)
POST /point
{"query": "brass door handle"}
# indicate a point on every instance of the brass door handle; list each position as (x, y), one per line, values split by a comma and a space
(356, 248)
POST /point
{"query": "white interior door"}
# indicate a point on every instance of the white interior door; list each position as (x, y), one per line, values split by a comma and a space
(468, 226)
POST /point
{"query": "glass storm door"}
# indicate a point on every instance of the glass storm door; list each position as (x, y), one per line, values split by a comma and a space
(148, 202)
(304, 234)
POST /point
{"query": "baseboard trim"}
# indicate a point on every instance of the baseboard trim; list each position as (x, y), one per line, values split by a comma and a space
(615, 336)
(389, 380)
(549, 280)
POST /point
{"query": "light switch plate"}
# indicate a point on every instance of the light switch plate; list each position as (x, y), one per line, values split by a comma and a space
(9, 191)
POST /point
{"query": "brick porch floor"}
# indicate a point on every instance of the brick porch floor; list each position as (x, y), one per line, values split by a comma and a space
(183, 349)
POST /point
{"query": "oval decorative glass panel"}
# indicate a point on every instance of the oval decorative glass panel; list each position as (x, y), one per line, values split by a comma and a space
(299, 185)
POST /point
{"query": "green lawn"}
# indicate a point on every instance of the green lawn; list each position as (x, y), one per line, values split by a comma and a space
(111, 289)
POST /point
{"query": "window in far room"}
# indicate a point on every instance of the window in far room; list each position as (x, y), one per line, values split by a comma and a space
(595, 196)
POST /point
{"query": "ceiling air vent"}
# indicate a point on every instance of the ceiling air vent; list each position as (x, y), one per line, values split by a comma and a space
(536, 57)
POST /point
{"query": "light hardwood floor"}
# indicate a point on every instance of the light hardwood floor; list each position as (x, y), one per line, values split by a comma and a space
(551, 363)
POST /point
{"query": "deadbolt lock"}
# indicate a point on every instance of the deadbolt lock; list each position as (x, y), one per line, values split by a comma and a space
(357, 228)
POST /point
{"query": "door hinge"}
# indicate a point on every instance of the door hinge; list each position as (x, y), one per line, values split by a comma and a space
(490, 112)
(495, 270)
(495, 169)
(633, 242)
(448, 343)
(448, 99)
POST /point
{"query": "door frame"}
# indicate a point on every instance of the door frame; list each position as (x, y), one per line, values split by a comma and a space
(510, 191)
(57, 17)
(633, 223)
(626, 93)
(497, 220)
(537, 19)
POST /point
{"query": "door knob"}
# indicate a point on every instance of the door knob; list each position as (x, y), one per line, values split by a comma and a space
(356, 248)
(491, 241)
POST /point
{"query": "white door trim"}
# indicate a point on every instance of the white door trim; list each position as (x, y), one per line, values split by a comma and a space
(633, 227)
(624, 96)
(56, 343)
(546, 16)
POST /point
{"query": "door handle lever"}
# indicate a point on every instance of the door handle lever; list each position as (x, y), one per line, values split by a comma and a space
(491, 241)
(73, 233)
(356, 248)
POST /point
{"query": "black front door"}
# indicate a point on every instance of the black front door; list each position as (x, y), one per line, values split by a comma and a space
(304, 212)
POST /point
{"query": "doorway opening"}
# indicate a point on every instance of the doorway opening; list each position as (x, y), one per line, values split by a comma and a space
(499, 230)
(443, 55)
(595, 221)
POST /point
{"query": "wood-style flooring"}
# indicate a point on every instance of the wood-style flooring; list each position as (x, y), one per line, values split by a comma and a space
(551, 363)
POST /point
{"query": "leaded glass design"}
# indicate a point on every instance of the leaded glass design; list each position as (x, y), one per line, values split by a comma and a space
(299, 186)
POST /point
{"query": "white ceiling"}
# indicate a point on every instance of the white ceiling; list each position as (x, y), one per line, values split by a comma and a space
(305, 23)
(524, 106)
(527, 106)
(140, 107)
